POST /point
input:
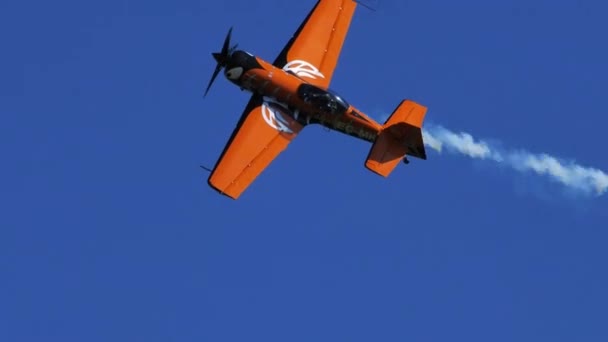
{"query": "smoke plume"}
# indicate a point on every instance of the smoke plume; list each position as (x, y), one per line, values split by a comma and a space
(584, 179)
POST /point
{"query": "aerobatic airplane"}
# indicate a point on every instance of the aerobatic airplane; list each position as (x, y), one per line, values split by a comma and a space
(292, 92)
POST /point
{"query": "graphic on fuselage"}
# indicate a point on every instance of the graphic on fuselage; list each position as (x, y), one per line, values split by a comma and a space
(273, 111)
(303, 69)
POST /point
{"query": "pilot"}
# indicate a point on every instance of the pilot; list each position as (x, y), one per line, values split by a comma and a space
(332, 106)
(326, 101)
(323, 101)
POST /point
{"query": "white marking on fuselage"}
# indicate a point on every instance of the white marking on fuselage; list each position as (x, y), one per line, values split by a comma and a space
(303, 69)
(274, 113)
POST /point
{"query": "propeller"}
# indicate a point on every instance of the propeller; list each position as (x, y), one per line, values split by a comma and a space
(221, 58)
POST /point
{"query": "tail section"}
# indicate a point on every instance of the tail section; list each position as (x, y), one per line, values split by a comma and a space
(401, 135)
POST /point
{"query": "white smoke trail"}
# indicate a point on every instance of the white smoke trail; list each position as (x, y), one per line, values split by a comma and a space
(574, 176)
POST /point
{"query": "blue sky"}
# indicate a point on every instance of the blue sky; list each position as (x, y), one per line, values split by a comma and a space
(108, 230)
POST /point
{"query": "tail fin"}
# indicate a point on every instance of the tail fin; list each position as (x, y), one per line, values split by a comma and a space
(401, 135)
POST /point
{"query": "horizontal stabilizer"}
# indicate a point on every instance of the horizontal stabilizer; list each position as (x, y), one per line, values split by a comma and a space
(401, 135)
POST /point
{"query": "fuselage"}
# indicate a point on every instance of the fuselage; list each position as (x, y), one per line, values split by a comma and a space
(304, 101)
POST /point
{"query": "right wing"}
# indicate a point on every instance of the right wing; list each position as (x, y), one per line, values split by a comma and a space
(262, 133)
(314, 49)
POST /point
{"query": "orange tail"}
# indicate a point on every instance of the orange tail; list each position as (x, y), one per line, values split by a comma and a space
(401, 135)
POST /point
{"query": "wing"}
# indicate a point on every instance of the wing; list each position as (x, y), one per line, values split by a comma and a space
(314, 49)
(263, 132)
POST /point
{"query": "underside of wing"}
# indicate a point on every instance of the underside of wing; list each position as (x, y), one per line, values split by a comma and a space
(313, 52)
(263, 132)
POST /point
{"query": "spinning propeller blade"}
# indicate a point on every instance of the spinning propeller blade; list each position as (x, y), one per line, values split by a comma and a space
(221, 58)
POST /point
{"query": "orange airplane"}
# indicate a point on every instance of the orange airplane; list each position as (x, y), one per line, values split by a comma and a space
(292, 92)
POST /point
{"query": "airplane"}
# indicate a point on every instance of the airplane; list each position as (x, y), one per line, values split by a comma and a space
(293, 92)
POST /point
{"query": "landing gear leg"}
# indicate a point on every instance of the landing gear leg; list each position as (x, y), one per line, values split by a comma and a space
(405, 160)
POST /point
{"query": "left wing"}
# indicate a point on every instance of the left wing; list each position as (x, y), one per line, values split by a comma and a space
(314, 49)
(261, 134)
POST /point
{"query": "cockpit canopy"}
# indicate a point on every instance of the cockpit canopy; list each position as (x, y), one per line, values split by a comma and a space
(323, 100)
